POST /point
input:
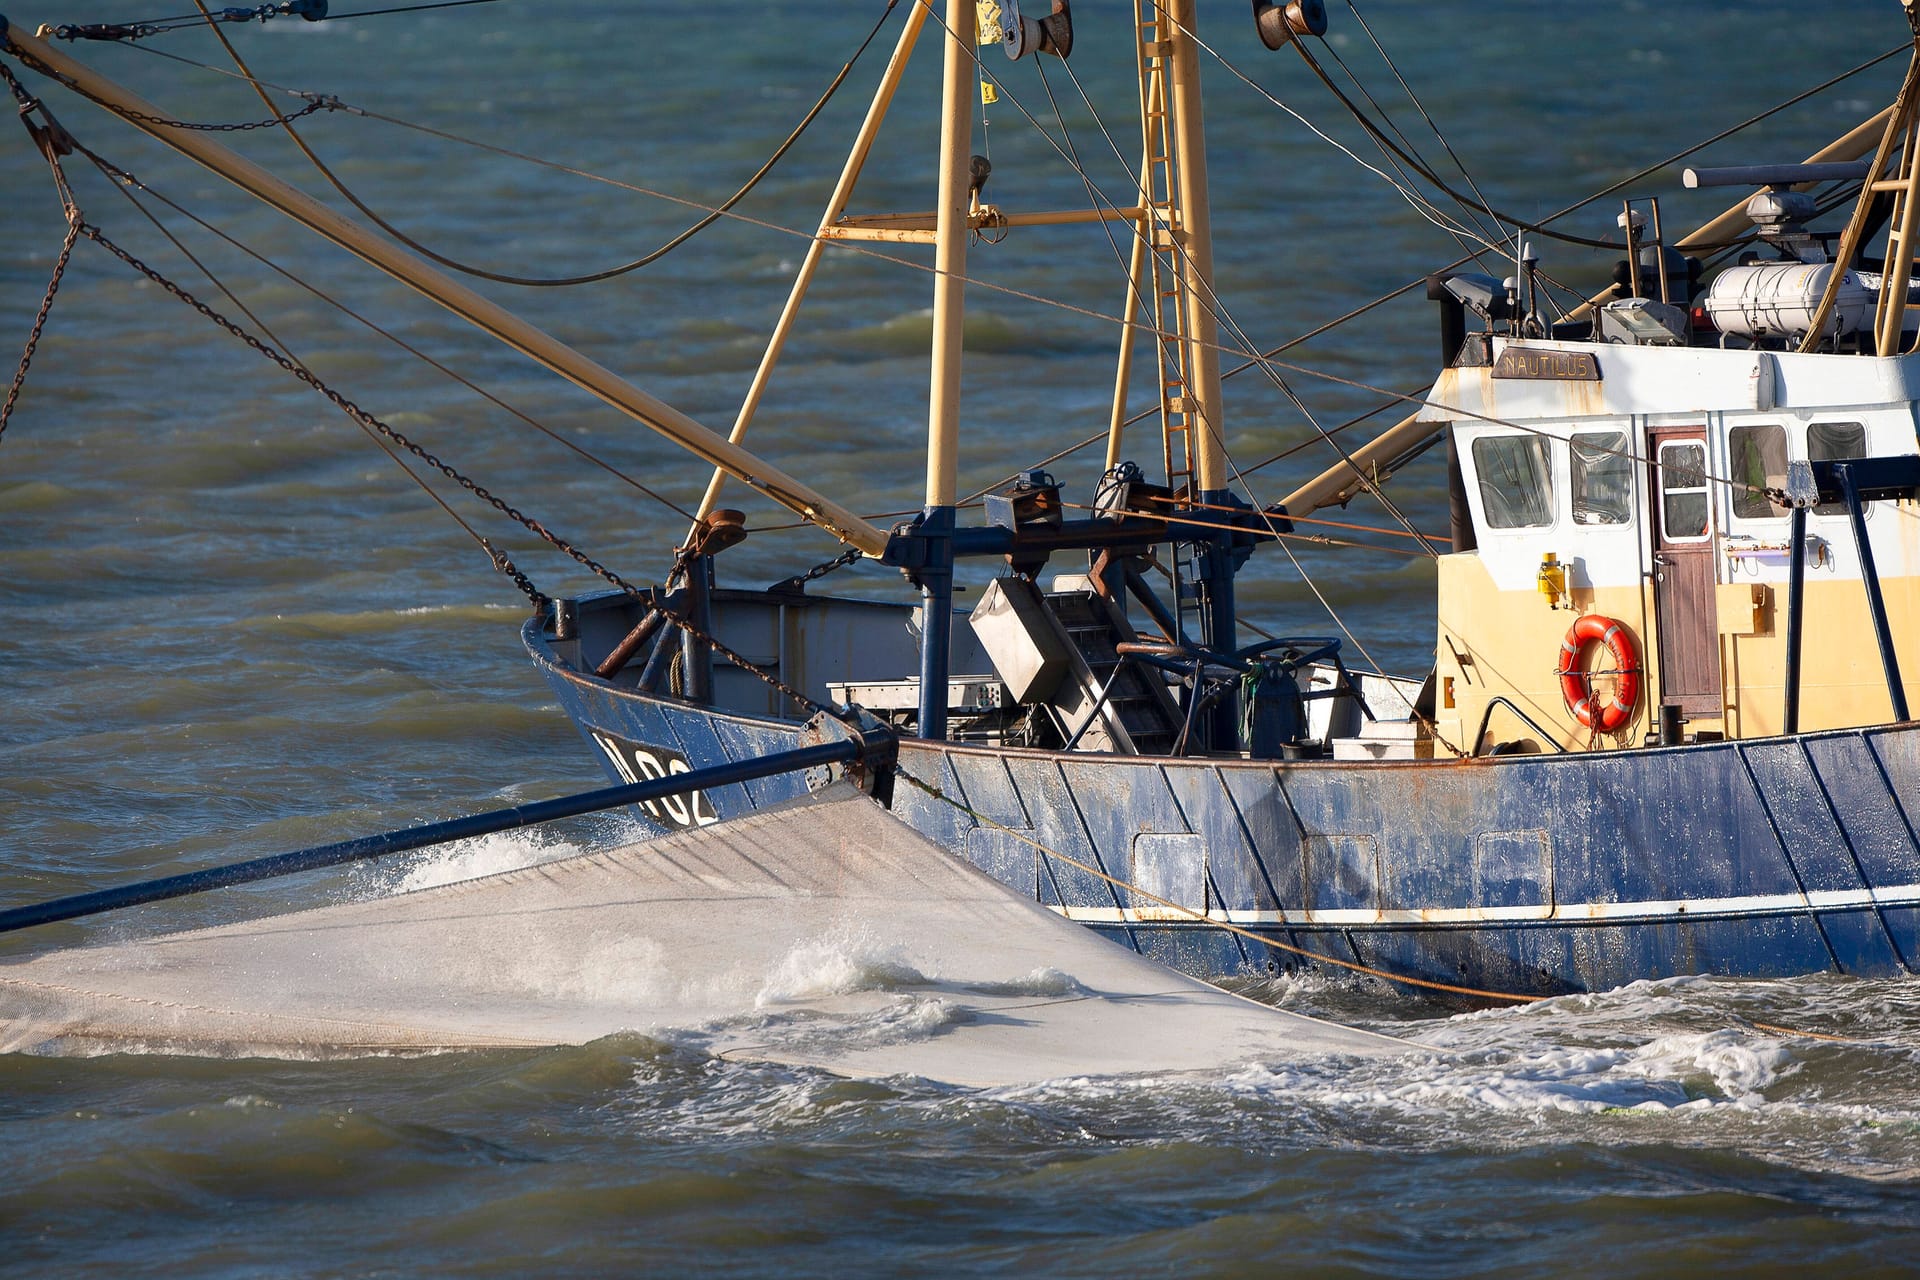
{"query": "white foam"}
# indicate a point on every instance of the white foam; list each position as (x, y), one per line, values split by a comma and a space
(1045, 981)
(836, 967)
(472, 859)
(1691, 1071)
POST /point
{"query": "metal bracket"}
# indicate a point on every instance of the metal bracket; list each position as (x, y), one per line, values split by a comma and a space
(877, 752)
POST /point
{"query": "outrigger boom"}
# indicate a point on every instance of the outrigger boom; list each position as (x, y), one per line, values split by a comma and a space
(470, 306)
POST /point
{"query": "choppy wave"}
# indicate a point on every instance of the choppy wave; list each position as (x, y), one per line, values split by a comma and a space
(210, 654)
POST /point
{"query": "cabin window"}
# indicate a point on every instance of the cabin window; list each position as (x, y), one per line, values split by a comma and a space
(1683, 490)
(1830, 440)
(1602, 478)
(1516, 478)
(1758, 458)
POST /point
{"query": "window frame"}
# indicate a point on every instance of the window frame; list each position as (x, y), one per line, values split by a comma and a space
(1704, 489)
(1774, 514)
(1623, 454)
(1832, 509)
(1548, 495)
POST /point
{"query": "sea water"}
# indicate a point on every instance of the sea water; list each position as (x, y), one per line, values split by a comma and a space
(236, 627)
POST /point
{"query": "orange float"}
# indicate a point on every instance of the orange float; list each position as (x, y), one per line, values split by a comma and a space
(1576, 683)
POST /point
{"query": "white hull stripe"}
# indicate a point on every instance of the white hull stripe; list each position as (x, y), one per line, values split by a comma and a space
(1906, 895)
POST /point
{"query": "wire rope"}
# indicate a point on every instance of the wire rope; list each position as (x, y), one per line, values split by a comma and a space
(1539, 227)
(712, 215)
(1412, 97)
(219, 284)
(122, 178)
(1252, 356)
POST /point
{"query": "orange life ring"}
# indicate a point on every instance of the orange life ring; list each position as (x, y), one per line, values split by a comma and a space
(1576, 684)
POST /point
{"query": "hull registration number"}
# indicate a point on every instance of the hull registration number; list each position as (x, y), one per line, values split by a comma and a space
(636, 763)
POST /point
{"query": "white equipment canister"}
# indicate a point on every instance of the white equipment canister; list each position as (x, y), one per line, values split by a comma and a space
(1778, 299)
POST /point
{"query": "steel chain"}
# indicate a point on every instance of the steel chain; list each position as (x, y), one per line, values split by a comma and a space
(77, 226)
(500, 561)
(360, 415)
(504, 564)
(48, 139)
(40, 319)
(799, 581)
(315, 102)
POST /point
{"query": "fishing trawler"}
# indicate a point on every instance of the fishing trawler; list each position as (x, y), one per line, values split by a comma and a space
(1665, 729)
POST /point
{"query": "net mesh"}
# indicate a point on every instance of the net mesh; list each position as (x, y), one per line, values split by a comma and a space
(825, 933)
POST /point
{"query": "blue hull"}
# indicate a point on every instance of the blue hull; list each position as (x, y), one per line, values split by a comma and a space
(1520, 874)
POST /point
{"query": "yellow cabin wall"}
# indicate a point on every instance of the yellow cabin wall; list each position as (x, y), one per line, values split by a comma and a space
(1495, 643)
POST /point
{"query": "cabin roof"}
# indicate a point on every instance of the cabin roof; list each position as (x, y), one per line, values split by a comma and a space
(1662, 380)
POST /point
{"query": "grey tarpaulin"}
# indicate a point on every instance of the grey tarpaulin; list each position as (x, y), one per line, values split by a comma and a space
(824, 933)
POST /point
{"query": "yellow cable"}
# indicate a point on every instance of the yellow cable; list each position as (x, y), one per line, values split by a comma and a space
(1201, 917)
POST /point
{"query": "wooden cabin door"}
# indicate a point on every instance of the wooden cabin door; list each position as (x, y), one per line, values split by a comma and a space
(1683, 602)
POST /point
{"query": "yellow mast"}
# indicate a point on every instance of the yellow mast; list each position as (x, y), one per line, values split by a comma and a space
(1193, 232)
(836, 207)
(950, 256)
(1901, 180)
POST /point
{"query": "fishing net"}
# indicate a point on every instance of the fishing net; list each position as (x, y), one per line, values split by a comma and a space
(824, 933)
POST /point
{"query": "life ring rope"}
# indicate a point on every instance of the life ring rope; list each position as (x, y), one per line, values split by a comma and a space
(1576, 683)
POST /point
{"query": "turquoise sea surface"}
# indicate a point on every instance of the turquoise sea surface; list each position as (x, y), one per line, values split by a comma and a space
(236, 627)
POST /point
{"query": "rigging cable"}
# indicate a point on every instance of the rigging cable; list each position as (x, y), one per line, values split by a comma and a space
(404, 8)
(1026, 295)
(551, 282)
(274, 339)
(1482, 231)
(1420, 203)
(1412, 97)
(310, 10)
(1271, 365)
(120, 176)
(1487, 235)
(1540, 227)
(500, 560)
(78, 226)
(1218, 308)
(1212, 303)
(1250, 356)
